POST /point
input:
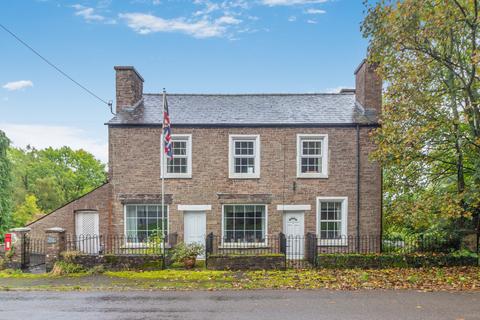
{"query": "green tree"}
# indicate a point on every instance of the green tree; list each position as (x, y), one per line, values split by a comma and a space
(49, 193)
(5, 185)
(54, 176)
(429, 142)
(27, 211)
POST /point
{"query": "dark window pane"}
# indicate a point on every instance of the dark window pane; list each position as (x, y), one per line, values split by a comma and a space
(250, 224)
(311, 147)
(141, 212)
(250, 211)
(247, 222)
(229, 224)
(131, 211)
(310, 165)
(141, 236)
(179, 148)
(239, 224)
(152, 224)
(131, 224)
(152, 211)
(250, 236)
(228, 211)
(239, 235)
(239, 211)
(142, 224)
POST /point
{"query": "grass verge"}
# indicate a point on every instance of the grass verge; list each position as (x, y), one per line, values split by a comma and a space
(428, 279)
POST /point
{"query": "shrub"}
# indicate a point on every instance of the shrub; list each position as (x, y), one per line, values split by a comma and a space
(12, 271)
(184, 251)
(98, 269)
(378, 261)
(187, 253)
(62, 268)
(69, 256)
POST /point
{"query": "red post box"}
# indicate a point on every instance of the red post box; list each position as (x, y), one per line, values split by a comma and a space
(8, 242)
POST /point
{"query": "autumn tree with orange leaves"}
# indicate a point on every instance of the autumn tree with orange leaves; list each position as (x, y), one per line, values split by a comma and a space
(429, 142)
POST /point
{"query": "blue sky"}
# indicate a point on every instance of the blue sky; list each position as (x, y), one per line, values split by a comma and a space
(186, 46)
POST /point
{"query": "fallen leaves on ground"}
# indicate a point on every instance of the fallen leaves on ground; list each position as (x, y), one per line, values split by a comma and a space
(427, 279)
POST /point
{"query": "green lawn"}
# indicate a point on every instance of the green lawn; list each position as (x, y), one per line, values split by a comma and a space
(431, 279)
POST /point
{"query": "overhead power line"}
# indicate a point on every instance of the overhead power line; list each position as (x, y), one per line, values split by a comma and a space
(108, 103)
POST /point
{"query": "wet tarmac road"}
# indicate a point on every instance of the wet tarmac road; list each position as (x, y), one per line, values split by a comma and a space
(232, 305)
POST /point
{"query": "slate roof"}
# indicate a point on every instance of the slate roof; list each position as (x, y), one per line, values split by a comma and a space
(248, 109)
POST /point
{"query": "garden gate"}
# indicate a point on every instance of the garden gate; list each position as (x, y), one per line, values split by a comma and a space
(33, 253)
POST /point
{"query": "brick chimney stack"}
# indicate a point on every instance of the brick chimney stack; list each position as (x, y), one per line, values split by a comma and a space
(368, 87)
(129, 86)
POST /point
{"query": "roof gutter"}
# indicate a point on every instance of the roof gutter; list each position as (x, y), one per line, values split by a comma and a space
(248, 125)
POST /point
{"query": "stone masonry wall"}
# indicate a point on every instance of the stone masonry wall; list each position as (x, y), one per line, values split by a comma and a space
(119, 262)
(273, 262)
(135, 165)
(97, 200)
(135, 173)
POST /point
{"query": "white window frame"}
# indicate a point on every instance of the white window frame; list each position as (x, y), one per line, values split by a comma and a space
(324, 142)
(244, 244)
(141, 244)
(344, 220)
(231, 158)
(188, 174)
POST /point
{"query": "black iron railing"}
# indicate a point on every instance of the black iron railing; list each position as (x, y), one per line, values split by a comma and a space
(219, 245)
(308, 247)
(120, 244)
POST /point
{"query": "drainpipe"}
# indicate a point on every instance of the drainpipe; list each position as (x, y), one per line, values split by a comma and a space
(358, 188)
(381, 210)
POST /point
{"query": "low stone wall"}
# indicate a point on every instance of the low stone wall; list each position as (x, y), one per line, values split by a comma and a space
(246, 262)
(118, 262)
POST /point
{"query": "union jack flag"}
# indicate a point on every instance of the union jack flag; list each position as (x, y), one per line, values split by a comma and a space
(167, 131)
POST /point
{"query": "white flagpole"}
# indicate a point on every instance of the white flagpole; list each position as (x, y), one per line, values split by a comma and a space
(163, 168)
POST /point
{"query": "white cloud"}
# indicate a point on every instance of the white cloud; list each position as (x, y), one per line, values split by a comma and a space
(312, 21)
(203, 28)
(89, 14)
(315, 11)
(43, 136)
(272, 3)
(292, 18)
(228, 20)
(17, 85)
(209, 7)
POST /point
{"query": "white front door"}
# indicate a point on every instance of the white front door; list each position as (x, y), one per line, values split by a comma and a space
(294, 229)
(87, 231)
(195, 227)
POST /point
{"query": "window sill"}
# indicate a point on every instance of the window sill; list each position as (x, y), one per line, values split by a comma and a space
(243, 177)
(177, 176)
(312, 176)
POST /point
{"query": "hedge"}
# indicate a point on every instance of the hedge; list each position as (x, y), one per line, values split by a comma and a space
(379, 261)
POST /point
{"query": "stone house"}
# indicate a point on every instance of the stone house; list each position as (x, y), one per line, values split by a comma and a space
(245, 166)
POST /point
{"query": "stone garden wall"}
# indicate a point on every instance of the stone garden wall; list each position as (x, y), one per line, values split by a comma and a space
(245, 262)
(117, 262)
